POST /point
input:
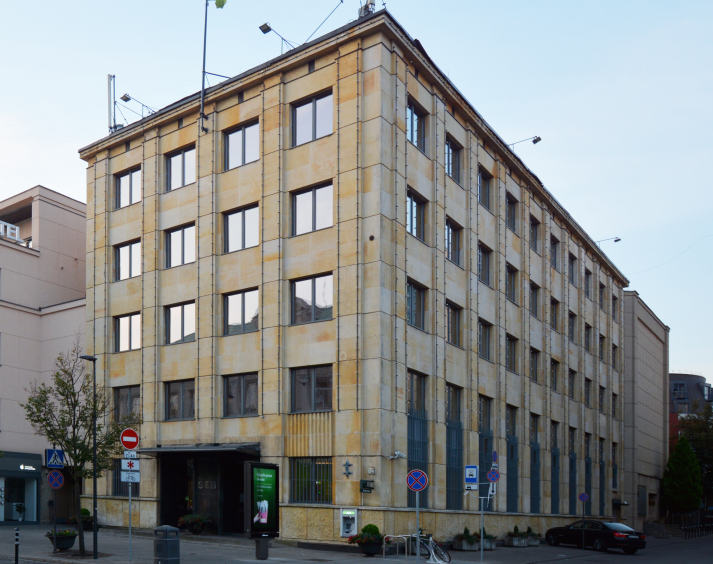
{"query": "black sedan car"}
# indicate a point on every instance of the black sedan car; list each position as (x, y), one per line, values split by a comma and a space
(599, 535)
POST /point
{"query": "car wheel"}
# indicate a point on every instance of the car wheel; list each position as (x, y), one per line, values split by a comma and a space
(599, 545)
(552, 540)
(630, 550)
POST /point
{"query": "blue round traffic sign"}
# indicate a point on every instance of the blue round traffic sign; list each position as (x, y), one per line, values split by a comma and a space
(583, 497)
(417, 480)
(55, 479)
(495, 456)
(493, 476)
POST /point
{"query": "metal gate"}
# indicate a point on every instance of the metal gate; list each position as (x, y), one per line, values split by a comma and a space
(555, 509)
(535, 478)
(512, 477)
(418, 451)
(454, 465)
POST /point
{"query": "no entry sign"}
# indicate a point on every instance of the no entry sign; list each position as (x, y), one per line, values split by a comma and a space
(129, 439)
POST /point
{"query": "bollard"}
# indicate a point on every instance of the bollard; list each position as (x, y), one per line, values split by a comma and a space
(17, 545)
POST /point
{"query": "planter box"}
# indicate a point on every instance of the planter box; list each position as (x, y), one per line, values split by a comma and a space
(533, 541)
(371, 548)
(516, 541)
(64, 542)
(488, 544)
(462, 545)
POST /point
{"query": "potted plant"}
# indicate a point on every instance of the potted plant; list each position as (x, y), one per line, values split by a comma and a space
(516, 538)
(65, 538)
(533, 538)
(87, 519)
(488, 541)
(466, 540)
(370, 540)
(195, 524)
(20, 508)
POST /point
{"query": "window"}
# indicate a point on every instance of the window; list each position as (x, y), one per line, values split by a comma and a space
(588, 284)
(415, 215)
(554, 313)
(242, 229)
(587, 392)
(181, 323)
(614, 405)
(534, 364)
(511, 420)
(128, 188)
(572, 269)
(587, 445)
(121, 489)
(128, 260)
(554, 434)
(310, 66)
(311, 389)
(511, 212)
(511, 353)
(312, 299)
(415, 305)
(534, 234)
(312, 210)
(311, 480)
(614, 363)
(534, 428)
(572, 383)
(180, 400)
(416, 392)
(127, 402)
(615, 468)
(602, 342)
(240, 395)
(511, 283)
(682, 407)
(534, 300)
(587, 337)
(312, 119)
(601, 296)
(601, 399)
(614, 308)
(484, 182)
(453, 242)
(242, 146)
(181, 245)
(416, 126)
(453, 160)
(453, 394)
(484, 339)
(554, 373)
(453, 323)
(181, 168)
(555, 253)
(241, 312)
(572, 327)
(128, 332)
(601, 451)
(679, 390)
(454, 449)
(572, 439)
(484, 255)
(485, 408)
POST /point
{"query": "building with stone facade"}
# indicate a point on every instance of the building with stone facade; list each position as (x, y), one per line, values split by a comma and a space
(646, 407)
(344, 261)
(688, 393)
(42, 313)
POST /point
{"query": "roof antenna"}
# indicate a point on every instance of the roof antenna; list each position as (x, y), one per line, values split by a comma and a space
(369, 7)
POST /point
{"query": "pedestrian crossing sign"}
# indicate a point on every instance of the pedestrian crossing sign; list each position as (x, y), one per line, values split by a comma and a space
(54, 458)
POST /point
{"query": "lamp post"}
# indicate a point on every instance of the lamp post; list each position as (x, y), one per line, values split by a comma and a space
(267, 28)
(616, 240)
(535, 140)
(93, 359)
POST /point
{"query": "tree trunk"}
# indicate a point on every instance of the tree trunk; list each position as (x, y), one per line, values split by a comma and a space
(80, 524)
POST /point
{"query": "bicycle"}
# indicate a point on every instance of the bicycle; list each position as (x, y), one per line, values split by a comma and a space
(428, 547)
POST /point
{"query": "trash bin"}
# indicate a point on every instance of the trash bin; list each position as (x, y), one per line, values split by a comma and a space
(166, 545)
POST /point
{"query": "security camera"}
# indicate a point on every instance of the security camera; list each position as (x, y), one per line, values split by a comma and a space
(399, 454)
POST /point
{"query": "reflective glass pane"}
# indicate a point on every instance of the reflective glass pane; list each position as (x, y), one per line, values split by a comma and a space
(122, 403)
(235, 232)
(124, 191)
(251, 311)
(188, 399)
(323, 203)
(235, 149)
(303, 213)
(323, 298)
(302, 304)
(174, 324)
(135, 259)
(323, 389)
(123, 334)
(123, 268)
(175, 243)
(189, 242)
(252, 227)
(235, 314)
(232, 395)
(173, 400)
(176, 171)
(303, 123)
(189, 321)
(135, 186)
(324, 116)
(301, 390)
(252, 146)
(189, 166)
(136, 331)
(250, 395)
(135, 400)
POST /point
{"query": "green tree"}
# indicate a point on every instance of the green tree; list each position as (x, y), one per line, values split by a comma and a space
(698, 429)
(63, 413)
(682, 490)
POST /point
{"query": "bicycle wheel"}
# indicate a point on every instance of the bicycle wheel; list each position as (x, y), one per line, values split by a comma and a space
(441, 553)
(424, 550)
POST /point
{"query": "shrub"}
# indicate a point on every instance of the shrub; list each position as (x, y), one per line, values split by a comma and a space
(369, 534)
(62, 533)
(531, 533)
(196, 524)
(85, 512)
(468, 537)
(486, 536)
(516, 533)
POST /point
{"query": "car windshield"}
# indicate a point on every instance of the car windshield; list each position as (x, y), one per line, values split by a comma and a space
(619, 527)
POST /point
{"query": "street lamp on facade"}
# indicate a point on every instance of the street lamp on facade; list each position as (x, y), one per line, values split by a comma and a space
(93, 360)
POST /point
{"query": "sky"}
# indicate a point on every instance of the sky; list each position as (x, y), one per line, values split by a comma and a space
(620, 93)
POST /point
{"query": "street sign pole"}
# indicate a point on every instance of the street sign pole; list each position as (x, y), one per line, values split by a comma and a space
(54, 520)
(584, 513)
(129, 521)
(418, 529)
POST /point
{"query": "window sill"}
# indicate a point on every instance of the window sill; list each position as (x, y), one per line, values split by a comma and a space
(513, 230)
(179, 265)
(127, 205)
(242, 333)
(240, 165)
(168, 191)
(535, 316)
(417, 238)
(454, 262)
(538, 253)
(313, 231)
(129, 278)
(311, 141)
(308, 412)
(127, 350)
(485, 359)
(420, 150)
(179, 343)
(512, 370)
(176, 420)
(238, 250)
(418, 328)
(458, 182)
(512, 301)
(487, 208)
(486, 283)
(240, 416)
(309, 322)
(461, 347)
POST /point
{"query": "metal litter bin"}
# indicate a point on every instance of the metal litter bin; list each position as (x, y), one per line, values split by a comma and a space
(166, 545)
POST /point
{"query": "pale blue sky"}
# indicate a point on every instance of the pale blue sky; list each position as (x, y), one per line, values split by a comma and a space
(620, 93)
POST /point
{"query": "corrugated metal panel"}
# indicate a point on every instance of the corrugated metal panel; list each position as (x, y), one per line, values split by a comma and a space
(309, 434)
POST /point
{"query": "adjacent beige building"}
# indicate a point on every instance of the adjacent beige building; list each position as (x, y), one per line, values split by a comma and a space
(344, 262)
(42, 313)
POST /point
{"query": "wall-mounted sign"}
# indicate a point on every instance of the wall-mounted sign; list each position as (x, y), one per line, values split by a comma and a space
(26, 467)
(262, 499)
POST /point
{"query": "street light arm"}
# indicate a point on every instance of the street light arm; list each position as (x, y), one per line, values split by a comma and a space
(535, 139)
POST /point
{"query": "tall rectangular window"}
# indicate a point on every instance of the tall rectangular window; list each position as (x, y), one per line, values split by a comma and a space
(454, 449)
(534, 300)
(241, 312)
(417, 431)
(416, 126)
(485, 410)
(572, 383)
(128, 332)
(128, 260)
(554, 313)
(511, 283)
(511, 353)
(614, 405)
(587, 337)
(484, 330)
(181, 246)
(312, 210)
(127, 402)
(555, 253)
(601, 297)
(511, 420)
(587, 392)
(572, 439)
(614, 361)
(453, 321)
(572, 327)
(312, 119)
(415, 215)
(572, 269)
(588, 284)
(601, 399)
(181, 323)
(615, 468)
(311, 480)
(587, 445)
(453, 242)
(511, 212)
(484, 255)
(453, 159)
(602, 343)
(554, 434)
(534, 364)
(240, 395)
(181, 168)
(312, 299)
(614, 308)
(312, 389)
(128, 188)
(484, 184)
(415, 305)
(242, 229)
(534, 234)
(180, 400)
(534, 428)
(242, 146)
(554, 374)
